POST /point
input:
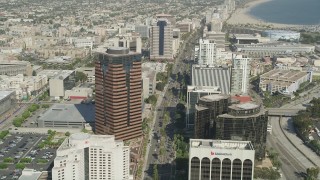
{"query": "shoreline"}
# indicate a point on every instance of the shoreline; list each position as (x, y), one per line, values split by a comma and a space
(241, 16)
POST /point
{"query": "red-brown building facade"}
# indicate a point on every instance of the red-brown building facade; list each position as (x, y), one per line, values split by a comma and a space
(118, 93)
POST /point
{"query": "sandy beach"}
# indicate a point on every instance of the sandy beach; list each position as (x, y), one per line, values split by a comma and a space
(242, 16)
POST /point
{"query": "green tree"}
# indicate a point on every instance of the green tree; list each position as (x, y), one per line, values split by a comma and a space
(80, 76)
(3, 134)
(25, 114)
(312, 173)
(67, 133)
(3, 165)
(8, 160)
(20, 166)
(160, 86)
(152, 100)
(34, 73)
(155, 172)
(26, 160)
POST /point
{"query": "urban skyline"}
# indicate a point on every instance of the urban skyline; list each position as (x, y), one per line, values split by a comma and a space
(156, 89)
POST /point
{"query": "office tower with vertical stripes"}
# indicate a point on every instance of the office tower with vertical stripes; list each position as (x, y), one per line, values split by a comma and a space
(161, 40)
(118, 93)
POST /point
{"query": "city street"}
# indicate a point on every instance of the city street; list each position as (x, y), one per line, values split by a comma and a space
(167, 103)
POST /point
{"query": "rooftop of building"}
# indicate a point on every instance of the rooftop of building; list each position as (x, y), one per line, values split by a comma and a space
(115, 51)
(247, 36)
(30, 174)
(70, 113)
(13, 62)
(244, 106)
(273, 45)
(163, 15)
(283, 75)
(198, 66)
(56, 74)
(214, 97)
(280, 31)
(204, 89)
(4, 94)
(89, 139)
(242, 99)
(221, 144)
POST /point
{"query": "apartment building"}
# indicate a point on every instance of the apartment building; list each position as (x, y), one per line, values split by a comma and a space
(240, 74)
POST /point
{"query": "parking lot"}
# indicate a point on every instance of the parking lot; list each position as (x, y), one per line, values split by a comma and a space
(21, 146)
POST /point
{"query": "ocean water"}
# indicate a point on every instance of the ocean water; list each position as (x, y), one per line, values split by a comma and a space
(300, 12)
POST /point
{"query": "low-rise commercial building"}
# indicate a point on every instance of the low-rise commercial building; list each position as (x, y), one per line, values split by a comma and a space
(7, 101)
(89, 72)
(84, 156)
(271, 49)
(62, 81)
(12, 67)
(78, 93)
(204, 75)
(284, 81)
(67, 116)
(221, 159)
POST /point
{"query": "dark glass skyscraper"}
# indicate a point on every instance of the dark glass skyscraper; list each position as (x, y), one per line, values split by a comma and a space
(118, 93)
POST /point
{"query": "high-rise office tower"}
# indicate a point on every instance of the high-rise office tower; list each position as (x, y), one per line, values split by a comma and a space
(207, 110)
(91, 157)
(220, 159)
(218, 116)
(207, 52)
(244, 122)
(161, 38)
(118, 93)
(240, 74)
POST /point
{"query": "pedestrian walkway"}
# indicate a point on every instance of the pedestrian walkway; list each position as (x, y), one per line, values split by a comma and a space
(288, 129)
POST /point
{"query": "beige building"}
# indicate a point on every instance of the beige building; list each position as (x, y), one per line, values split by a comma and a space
(62, 51)
(12, 67)
(161, 37)
(7, 100)
(285, 81)
(62, 80)
(89, 71)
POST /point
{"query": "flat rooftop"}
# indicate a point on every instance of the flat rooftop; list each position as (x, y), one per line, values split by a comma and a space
(283, 75)
(204, 89)
(245, 106)
(214, 97)
(30, 174)
(69, 113)
(56, 74)
(221, 144)
(115, 51)
(13, 62)
(4, 94)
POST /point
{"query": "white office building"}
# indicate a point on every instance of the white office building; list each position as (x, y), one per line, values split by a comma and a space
(207, 52)
(220, 159)
(91, 157)
(240, 74)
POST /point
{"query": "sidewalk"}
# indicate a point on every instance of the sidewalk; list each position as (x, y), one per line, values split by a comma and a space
(286, 123)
